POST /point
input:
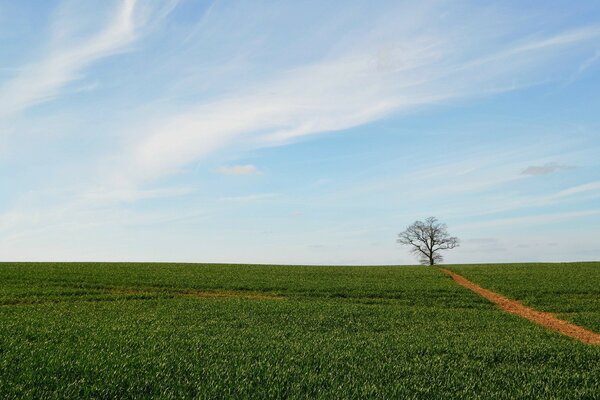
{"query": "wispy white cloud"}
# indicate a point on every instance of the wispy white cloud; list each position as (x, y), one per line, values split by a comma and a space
(532, 220)
(485, 181)
(41, 80)
(584, 188)
(88, 211)
(131, 195)
(562, 39)
(589, 62)
(247, 169)
(513, 202)
(66, 57)
(339, 93)
(251, 198)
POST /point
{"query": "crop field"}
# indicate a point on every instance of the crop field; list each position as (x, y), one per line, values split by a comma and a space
(95, 330)
(572, 291)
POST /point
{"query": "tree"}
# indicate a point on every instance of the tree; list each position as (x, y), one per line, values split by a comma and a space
(427, 238)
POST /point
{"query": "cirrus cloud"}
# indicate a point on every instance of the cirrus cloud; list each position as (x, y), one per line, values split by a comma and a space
(247, 169)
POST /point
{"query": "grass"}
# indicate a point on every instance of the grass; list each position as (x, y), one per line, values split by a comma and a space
(571, 290)
(224, 331)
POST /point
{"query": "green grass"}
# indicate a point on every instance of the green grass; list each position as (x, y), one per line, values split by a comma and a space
(571, 290)
(130, 331)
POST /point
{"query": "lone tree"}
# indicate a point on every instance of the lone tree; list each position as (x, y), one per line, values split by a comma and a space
(427, 238)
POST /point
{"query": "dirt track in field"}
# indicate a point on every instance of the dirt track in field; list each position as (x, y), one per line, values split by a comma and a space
(545, 319)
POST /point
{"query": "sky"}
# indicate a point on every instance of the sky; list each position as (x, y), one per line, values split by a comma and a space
(300, 132)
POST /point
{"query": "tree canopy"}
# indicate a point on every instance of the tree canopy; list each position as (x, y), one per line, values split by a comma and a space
(427, 238)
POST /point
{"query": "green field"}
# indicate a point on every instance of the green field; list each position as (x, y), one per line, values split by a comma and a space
(570, 290)
(237, 331)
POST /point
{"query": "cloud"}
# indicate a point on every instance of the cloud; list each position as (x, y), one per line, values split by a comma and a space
(589, 62)
(247, 169)
(251, 198)
(395, 74)
(131, 195)
(533, 219)
(548, 168)
(67, 56)
(41, 81)
(573, 194)
(584, 188)
(201, 96)
(583, 68)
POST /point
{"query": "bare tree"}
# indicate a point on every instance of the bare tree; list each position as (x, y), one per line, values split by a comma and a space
(427, 238)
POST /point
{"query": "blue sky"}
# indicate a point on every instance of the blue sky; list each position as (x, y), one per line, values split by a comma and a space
(298, 132)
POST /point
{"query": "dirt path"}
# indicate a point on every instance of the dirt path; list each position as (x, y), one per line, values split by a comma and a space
(545, 319)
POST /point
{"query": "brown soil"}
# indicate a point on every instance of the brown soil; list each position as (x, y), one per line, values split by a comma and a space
(545, 319)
